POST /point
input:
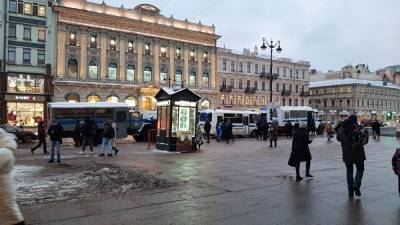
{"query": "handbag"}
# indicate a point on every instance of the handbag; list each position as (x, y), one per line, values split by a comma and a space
(292, 162)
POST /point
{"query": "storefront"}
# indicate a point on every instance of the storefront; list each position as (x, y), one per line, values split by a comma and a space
(25, 110)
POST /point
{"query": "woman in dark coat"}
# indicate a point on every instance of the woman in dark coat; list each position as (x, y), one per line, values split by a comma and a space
(300, 150)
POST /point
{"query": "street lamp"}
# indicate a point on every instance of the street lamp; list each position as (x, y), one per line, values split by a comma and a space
(271, 45)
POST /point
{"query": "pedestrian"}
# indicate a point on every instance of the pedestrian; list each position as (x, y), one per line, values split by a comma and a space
(259, 132)
(207, 130)
(265, 128)
(10, 214)
(352, 139)
(376, 128)
(108, 134)
(55, 132)
(77, 134)
(41, 129)
(289, 129)
(218, 130)
(301, 151)
(87, 135)
(229, 131)
(273, 138)
(396, 166)
(329, 131)
(224, 131)
(114, 140)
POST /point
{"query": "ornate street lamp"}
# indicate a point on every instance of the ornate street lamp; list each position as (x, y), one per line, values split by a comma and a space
(271, 45)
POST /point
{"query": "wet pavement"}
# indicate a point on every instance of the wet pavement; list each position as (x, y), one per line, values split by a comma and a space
(241, 183)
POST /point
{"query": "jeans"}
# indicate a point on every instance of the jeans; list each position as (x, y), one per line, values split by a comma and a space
(354, 182)
(55, 146)
(108, 142)
(87, 140)
(42, 141)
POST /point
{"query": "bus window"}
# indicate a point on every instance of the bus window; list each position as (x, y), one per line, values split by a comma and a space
(85, 114)
(253, 118)
(121, 117)
(105, 113)
(219, 119)
(238, 118)
(205, 117)
(135, 115)
(287, 116)
(64, 113)
(228, 116)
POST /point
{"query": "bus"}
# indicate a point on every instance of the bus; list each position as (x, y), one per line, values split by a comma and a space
(243, 122)
(294, 114)
(140, 123)
(68, 114)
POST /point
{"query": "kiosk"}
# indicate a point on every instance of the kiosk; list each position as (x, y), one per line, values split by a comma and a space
(176, 120)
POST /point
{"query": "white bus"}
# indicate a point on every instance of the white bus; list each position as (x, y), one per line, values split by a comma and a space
(294, 114)
(243, 122)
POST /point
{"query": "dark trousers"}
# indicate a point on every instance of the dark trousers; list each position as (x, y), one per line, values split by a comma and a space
(42, 141)
(308, 165)
(87, 140)
(208, 137)
(398, 176)
(20, 223)
(272, 140)
(354, 182)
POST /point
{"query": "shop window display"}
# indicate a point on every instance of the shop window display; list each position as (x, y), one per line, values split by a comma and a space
(24, 114)
(25, 83)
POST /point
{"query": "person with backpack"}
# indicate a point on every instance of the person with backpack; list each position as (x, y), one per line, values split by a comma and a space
(42, 138)
(108, 134)
(207, 130)
(396, 166)
(352, 138)
(55, 132)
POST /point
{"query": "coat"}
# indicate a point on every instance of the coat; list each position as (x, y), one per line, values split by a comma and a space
(108, 131)
(9, 210)
(55, 132)
(300, 149)
(207, 127)
(218, 129)
(274, 130)
(351, 153)
(41, 130)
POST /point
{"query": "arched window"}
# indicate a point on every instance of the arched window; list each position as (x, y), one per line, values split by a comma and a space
(192, 79)
(72, 68)
(112, 98)
(178, 78)
(206, 81)
(163, 75)
(72, 97)
(130, 73)
(131, 101)
(112, 71)
(205, 104)
(147, 74)
(92, 98)
(93, 70)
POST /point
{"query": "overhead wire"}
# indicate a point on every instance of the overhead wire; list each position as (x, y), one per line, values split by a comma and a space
(204, 10)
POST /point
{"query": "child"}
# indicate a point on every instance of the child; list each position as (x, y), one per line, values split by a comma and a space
(396, 165)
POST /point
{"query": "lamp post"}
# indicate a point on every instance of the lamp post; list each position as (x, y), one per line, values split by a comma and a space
(271, 45)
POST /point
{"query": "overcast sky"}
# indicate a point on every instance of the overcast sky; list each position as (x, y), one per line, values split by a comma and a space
(328, 33)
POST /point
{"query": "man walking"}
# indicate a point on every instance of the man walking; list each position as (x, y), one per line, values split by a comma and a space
(273, 133)
(87, 136)
(55, 132)
(42, 138)
(207, 129)
(108, 135)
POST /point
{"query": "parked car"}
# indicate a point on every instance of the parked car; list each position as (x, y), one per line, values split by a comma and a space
(23, 136)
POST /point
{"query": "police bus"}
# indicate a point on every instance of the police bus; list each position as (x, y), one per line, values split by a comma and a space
(140, 123)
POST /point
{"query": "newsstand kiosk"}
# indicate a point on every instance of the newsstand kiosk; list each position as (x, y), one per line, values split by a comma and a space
(176, 120)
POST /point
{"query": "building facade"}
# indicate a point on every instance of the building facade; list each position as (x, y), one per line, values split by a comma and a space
(243, 84)
(338, 98)
(105, 53)
(27, 61)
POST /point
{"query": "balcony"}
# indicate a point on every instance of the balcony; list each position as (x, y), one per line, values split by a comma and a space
(225, 88)
(250, 90)
(264, 75)
(286, 92)
(304, 94)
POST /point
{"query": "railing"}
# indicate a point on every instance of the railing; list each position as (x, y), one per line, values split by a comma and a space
(250, 90)
(286, 92)
(264, 75)
(304, 93)
(225, 88)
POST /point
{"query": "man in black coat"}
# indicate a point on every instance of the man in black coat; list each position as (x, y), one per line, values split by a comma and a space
(301, 151)
(87, 135)
(42, 138)
(55, 132)
(207, 129)
(348, 133)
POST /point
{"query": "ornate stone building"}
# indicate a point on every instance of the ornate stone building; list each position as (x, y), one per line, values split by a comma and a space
(243, 84)
(112, 54)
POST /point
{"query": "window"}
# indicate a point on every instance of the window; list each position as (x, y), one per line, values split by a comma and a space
(248, 67)
(192, 55)
(131, 47)
(93, 41)
(263, 86)
(192, 79)
(163, 75)
(12, 30)
(27, 32)
(241, 67)
(303, 72)
(224, 64)
(290, 88)
(255, 100)
(277, 70)
(240, 84)
(224, 82)
(302, 102)
(13, 6)
(239, 100)
(27, 8)
(205, 56)
(163, 51)
(178, 52)
(205, 80)
(93, 98)
(72, 39)
(93, 70)
(284, 71)
(283, 87)
(333, 103)
(41, 33)
(25, 83)
(130, 73)
(297, 73)
(233, 83)
(35, 9)
(256, 85)
(147, 48)
(284, 102)
(348, 103)
(296, 102)
(232, 66)
(111, 98)
(42, 11)
(147, 75)
(277, 87)
(41, 57)
(297, 88)
(222, 99)
(27, 55)
(11, 54)
(113, 44)
(178, 78)
(248, 84)
(290, 72)
(232, 100)
(256, 68)
(72, 68)
(131, 101)
(112, 71)
(290, 102)
(247, 100)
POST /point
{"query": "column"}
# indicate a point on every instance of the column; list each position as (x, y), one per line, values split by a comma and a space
(61, 54)
(83, 57)
(171, 70)
(139, 61)
(213, 68)
(122, 63)
(185, 64)
(199, 68)
(156, 69)
(103, 56)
